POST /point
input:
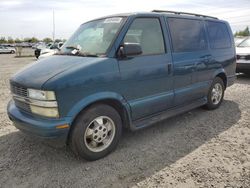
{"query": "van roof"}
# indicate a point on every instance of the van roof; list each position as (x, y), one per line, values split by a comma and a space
(165, 12)
(183, 13)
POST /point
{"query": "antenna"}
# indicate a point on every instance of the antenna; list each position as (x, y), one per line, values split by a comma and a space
(53, 33)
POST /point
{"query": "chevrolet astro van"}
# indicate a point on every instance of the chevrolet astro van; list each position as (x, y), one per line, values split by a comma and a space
(124, 71)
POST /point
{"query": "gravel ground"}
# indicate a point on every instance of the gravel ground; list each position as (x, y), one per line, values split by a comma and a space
(196, 149)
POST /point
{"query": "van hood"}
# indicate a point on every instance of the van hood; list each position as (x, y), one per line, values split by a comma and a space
(36, 74)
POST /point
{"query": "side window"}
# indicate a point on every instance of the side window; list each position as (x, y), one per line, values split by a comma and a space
(187, 35)
(147, 32)
(218, 35)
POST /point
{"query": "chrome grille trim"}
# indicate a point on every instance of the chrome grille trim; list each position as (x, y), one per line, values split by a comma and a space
(48, 104)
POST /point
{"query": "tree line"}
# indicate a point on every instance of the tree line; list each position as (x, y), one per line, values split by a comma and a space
(243, 33)
(10, 40)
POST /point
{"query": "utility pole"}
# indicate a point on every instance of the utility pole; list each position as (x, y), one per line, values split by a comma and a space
(53, 34)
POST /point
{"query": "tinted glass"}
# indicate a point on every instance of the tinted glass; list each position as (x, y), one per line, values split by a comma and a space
(147, 32)
(218, 35)
(187, 35)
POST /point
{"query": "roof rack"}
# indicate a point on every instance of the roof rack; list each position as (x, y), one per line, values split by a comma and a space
(185, 13)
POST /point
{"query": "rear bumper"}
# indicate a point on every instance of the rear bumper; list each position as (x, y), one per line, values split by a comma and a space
(35, 126)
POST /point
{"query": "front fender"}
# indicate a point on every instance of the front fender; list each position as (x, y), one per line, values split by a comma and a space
(86, 101)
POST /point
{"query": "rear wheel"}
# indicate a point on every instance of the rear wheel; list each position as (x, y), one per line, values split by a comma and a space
(215, 94)
(96, 132)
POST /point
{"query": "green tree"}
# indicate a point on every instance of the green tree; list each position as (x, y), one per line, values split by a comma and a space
(58, 40)
(17, 40)
(10, 40)
(2, 40)
(26, 39)
(47, 40)
(244, 32)
(34, 40)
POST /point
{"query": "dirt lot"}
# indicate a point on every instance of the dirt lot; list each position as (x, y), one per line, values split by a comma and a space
(197, 149)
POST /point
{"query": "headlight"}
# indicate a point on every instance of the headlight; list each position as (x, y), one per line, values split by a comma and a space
(43, 103)
(43, 111)
(41, 95)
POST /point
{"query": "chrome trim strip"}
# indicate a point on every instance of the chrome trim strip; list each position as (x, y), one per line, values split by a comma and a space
(47, 104)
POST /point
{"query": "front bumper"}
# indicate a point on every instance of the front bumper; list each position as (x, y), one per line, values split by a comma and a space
(33, 125)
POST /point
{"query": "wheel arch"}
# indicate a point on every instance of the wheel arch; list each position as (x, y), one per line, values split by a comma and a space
(221, 74)
(109, 98)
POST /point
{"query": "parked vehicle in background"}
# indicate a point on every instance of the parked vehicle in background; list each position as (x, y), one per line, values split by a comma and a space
(8, 45)
(25, 44)
(243, 57)
(124, 71)
(39, 47)
(51, 50)
(7, 50)
(238, 40)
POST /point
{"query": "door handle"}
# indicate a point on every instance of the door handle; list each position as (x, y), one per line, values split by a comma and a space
(169, 67)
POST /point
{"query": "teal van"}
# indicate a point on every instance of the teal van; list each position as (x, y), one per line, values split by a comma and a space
(124, 71)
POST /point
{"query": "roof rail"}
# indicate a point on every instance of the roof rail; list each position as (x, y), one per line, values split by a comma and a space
(185, 13)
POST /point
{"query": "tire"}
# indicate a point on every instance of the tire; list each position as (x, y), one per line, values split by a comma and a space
(12, 52)
(215, 94)
(96, 132)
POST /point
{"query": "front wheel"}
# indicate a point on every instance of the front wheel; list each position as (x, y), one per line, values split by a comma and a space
(96, 132)
(215, 94)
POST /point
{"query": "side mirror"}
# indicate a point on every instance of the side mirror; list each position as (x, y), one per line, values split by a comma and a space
(129, 49)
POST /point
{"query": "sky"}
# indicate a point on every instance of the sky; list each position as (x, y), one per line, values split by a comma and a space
(34, 18)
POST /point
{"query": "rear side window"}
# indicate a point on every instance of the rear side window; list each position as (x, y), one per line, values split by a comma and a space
(218, 35)
(147, 32)
(187, 35)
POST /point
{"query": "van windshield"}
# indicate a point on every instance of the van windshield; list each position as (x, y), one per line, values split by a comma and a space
(93, 38)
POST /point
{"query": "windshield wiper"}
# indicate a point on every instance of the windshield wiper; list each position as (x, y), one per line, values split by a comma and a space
(75, 49)
(86, 54)
(78, 54)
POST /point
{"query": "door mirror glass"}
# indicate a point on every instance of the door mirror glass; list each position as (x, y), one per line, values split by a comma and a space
(129, 49)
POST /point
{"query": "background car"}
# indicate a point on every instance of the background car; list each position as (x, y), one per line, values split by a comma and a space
(7, 50)
(51, 50)
(243, 57)
(39, 47)
(238, 40)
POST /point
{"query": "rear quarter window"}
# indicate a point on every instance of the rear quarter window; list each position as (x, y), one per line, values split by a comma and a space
(218, 35)
(187, 35)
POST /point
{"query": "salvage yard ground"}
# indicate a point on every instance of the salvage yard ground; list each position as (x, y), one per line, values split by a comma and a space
(196, 149)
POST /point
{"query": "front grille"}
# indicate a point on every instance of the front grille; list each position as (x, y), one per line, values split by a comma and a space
(18, 90)
(22, 92)
(246, 57)
(22, 105)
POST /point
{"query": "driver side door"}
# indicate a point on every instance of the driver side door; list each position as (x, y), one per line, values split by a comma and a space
(147, 78)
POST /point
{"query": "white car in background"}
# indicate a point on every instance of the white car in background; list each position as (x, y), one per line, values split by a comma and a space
(7, 50)
(46, 52)
(243, 56)
(238, 40)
